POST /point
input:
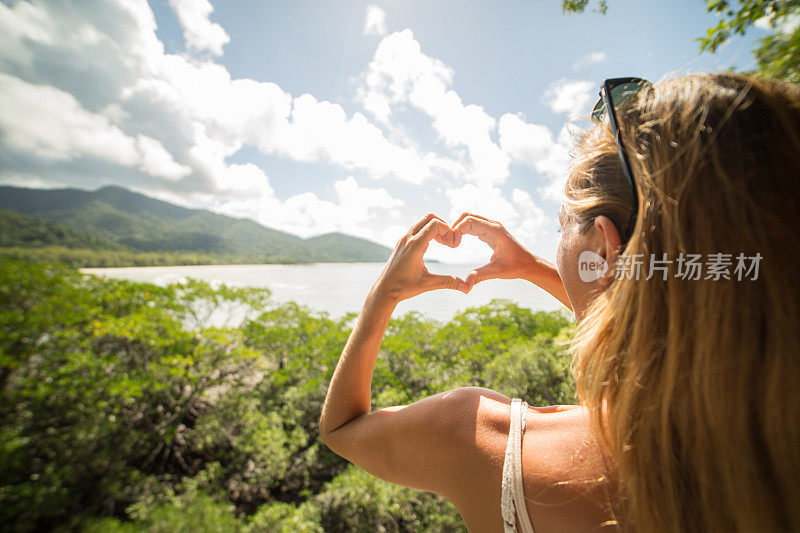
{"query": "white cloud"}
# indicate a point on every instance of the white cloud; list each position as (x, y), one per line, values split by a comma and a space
(240, 181)
(572, 97)
(399, 64)
(48, 123)
(533, 145)
(378, 106)
(524, 142)
(156, 161)
(531, 227)
(375, 23)
(322, 130)
(533, 220)
(21, 23)
(400, 73)
(485, 200)
(243, 111)
(200, 33)
(355, 211)
(555, 167)
(592, 58)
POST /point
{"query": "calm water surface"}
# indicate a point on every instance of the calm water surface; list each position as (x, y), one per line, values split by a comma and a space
(338, 288)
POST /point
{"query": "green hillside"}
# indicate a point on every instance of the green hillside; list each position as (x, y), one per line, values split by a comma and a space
(358, 249)
(137, 223)
(21, 230)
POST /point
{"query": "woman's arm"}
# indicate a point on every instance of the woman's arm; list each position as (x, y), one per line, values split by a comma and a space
(510, 259)
(410, 445)
(544, 275)
(350, 389)
(403, 276)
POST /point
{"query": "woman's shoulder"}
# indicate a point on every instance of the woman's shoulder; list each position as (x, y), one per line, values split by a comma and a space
(487, 413)
(568, 480)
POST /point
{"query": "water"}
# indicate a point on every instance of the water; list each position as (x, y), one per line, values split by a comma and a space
(338, 288)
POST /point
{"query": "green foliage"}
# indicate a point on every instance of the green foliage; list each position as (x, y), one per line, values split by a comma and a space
(200, 514)
(579, 6)
(357, 502)
(777, 54)
(280, 517)
(123, 409)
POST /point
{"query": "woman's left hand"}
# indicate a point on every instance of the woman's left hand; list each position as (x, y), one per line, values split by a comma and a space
(405, 274)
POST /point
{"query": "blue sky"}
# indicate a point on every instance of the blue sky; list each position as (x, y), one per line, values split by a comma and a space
(352, 116)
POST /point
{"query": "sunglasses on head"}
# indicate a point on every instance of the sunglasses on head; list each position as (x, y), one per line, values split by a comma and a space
(616, 95)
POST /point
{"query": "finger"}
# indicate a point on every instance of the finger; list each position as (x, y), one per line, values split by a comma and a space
(436, 281)
(435, 229)
(422, 223)
(484, 229)
(466, 214)
(487, 271)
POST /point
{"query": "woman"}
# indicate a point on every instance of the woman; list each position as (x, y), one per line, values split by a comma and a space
(689, 384)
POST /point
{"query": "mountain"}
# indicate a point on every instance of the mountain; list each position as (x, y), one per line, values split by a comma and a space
(125, 219)
(358, 249)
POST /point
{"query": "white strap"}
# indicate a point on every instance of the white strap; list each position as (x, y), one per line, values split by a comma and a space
(507, 494)
(512, 497)
(519, 496)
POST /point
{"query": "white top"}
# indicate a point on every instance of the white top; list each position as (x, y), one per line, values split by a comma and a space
(512, 501)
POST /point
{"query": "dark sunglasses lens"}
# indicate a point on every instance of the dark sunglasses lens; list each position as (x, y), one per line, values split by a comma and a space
(623, 94)
(599, 111)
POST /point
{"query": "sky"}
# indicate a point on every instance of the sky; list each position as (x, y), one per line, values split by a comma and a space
(311, 117)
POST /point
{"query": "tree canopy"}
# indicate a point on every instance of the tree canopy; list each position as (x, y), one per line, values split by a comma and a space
(131, 407)
(777, 54)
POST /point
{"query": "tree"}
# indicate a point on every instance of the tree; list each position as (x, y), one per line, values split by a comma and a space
(777, 54)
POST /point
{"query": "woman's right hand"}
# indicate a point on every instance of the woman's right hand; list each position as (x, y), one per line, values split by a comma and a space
(510, 259)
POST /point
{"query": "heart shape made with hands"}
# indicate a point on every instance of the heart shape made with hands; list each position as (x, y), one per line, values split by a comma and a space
(506, 262)
(508, 256)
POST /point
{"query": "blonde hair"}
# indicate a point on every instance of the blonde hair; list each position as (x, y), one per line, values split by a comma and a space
(694, 385)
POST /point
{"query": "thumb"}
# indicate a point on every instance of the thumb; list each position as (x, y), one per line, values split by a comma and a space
(436, 281)
(488, 271)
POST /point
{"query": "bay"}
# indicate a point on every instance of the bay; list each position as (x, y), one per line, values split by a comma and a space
(339, 288)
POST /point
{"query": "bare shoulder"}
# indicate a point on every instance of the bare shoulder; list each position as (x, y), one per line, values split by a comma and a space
(568, 482)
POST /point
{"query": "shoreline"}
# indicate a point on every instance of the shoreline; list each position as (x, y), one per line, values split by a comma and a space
(340, 288)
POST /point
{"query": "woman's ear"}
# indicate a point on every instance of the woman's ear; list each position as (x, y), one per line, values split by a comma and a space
(608, 243)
